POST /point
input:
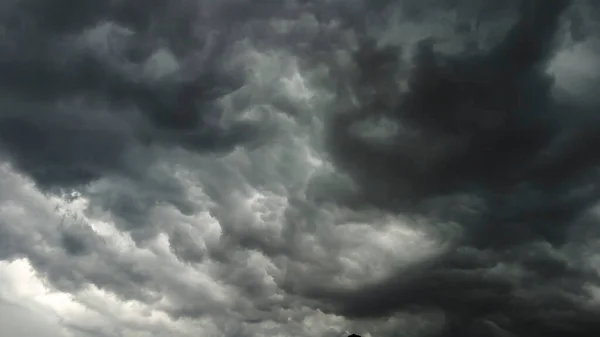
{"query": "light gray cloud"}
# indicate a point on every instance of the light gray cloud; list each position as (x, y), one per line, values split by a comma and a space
(299, 168)
(19, 321)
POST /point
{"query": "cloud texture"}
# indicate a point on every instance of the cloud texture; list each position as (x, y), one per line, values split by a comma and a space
(299, 168)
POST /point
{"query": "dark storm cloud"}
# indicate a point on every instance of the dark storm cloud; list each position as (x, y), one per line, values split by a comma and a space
(482, 124)
(469, 114)
(80, 88)
(530, 291)
(75, 73)
(476, 184)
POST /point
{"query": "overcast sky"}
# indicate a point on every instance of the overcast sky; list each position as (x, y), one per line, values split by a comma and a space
(239, 168)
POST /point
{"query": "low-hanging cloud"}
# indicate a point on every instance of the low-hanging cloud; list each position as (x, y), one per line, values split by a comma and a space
(484, 142)
(300, 168)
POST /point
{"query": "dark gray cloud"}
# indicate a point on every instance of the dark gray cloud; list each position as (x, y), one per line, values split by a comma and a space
(300, 168)
(483, 123)
(80, 89)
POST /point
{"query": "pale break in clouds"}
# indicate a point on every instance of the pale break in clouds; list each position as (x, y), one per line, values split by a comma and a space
(299, 168)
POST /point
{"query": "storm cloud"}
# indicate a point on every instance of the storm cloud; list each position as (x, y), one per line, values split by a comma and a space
(300, 168)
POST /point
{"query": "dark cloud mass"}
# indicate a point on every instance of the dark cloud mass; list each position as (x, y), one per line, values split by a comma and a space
(421, 168)
(487, 126)
(62, 58)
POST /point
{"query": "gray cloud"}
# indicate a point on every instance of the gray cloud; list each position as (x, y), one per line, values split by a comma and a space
(300, 168)
(487, 125)
(111, 63)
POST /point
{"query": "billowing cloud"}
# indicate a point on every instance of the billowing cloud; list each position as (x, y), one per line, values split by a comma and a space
(299, 168)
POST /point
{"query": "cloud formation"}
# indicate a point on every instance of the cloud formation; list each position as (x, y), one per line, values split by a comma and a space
(300, 168)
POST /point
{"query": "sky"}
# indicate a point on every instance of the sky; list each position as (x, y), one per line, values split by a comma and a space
(238, 168)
